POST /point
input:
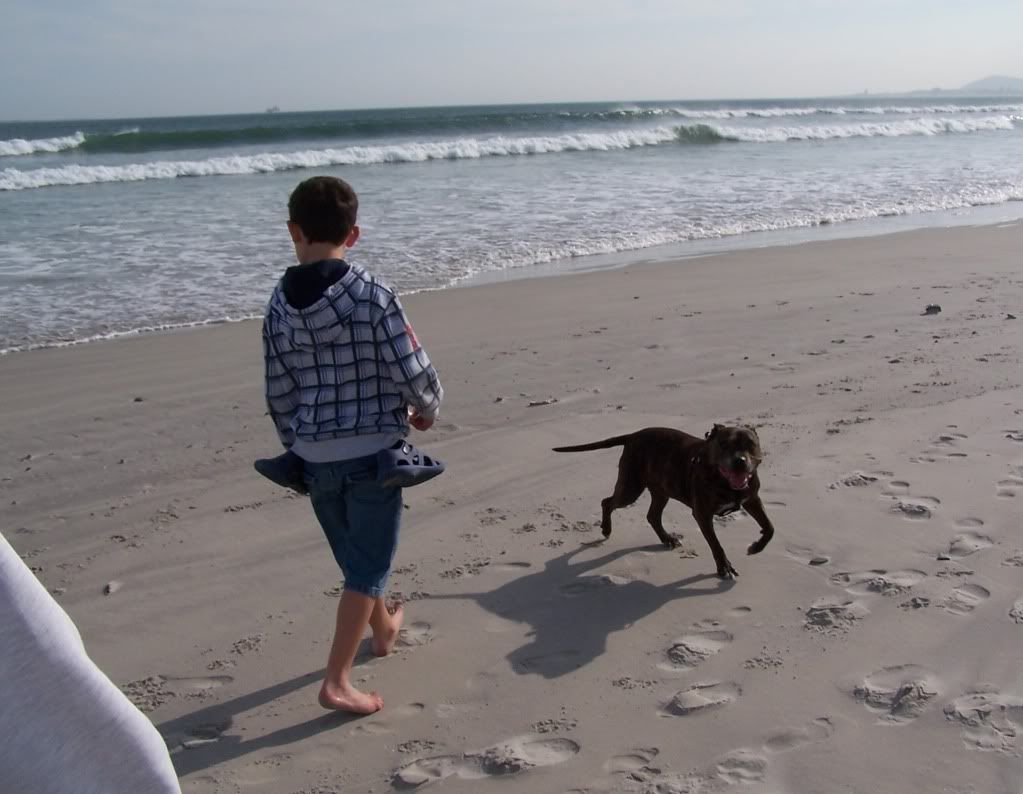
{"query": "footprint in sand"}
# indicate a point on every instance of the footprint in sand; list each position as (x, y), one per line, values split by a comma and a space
(917, 508)
(690, 650)
(806, 556)
(898, 694)
(889, 583)
(199, 686)
(1008, 488)
(438, 767)
(968, 543)
(819, 730)
(511, 567)
(966, 598)
(895, 488)
(947, 444)
(702, 698)
(262, 773)
(251, 644)
(381, 724)
(550, 664)
(471, 568)
(1015, 560)
(833, 616)
(990, 720)
(508, 758)
(969, 522)
(414, 635)
(859, 479)
(150, 693)
(447, 711)
(742, 766)
(631, 761)
(1016, 613)
(205, 733)
(416, 746)
(533, 752)
(408, 710)
(589, 584)
(372, 729)
(496, 625)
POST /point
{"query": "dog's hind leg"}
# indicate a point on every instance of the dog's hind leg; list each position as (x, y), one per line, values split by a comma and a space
(658, 501)
(627, 490)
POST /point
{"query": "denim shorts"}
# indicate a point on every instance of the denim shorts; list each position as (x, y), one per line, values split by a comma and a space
(360, 519)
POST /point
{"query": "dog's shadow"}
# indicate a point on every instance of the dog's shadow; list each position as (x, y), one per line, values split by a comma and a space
(572, 609)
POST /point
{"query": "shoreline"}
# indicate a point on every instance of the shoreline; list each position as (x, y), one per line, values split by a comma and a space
(879, 623)
(987, 215)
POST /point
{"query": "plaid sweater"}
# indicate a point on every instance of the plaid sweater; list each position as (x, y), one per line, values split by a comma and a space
(347, 365)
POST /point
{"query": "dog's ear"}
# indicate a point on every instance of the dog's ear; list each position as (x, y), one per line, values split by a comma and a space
(714, 431)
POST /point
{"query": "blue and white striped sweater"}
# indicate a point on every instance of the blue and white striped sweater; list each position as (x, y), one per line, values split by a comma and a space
(345, 366)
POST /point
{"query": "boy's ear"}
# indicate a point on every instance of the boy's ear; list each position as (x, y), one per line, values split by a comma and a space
(296, 232)
(352, 238)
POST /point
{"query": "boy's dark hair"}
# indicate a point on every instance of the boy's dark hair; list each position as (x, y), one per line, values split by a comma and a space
(324, 207)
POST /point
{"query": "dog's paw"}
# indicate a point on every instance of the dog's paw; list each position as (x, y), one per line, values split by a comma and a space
(756, 547)
(727, 571)
(671, 541)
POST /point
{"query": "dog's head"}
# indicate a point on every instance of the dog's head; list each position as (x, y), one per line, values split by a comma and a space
(734, 452)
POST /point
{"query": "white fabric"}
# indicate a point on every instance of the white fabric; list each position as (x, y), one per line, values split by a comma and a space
(338, 449)
(64, 727)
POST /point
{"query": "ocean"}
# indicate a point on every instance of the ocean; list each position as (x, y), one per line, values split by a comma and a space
(111, 227)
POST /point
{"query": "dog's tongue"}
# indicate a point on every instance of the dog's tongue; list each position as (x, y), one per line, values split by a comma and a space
(736, 479)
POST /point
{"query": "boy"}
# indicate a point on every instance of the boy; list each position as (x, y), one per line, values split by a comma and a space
(345, 377)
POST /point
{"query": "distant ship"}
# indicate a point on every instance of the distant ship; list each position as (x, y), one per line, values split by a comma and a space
(273, 109)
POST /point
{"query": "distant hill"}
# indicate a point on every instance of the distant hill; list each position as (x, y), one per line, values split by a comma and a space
(996, 84)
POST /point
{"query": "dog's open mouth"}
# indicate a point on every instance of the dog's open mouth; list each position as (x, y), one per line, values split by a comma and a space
(737, 480)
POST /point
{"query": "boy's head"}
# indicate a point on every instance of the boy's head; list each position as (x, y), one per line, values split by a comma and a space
(322, 212)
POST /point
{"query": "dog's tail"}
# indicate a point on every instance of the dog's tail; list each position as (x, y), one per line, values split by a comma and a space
(617, 441)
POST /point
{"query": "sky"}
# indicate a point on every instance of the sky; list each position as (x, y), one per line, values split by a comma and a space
(136, 58)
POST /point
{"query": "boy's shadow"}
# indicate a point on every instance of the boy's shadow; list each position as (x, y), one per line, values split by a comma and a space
(214, 724)
(572, 611)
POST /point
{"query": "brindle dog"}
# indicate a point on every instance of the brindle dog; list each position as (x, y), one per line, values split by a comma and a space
(713, 476)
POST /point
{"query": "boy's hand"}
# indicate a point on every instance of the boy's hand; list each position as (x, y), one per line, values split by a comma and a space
(419, 422)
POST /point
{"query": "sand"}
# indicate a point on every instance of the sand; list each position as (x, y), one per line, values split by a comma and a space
(872, 647)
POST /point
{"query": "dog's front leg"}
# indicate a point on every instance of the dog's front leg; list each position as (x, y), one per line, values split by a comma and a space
(755, 508)
(705, 518)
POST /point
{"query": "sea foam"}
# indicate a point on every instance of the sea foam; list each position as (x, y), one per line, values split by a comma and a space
(19, 146)
(500, 146)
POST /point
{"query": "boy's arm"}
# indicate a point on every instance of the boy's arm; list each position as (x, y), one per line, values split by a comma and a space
(281, 388)
(410, 367)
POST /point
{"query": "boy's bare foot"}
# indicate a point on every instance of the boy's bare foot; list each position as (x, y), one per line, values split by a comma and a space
(384, 643)
(349, 699)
